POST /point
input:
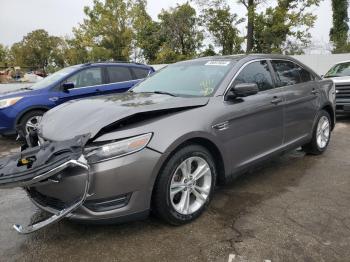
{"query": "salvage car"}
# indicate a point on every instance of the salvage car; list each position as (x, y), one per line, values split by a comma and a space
(22, 108)
(166, 143)
(340, 74)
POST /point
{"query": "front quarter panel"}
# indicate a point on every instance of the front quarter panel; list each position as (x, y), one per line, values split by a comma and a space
(327, 96)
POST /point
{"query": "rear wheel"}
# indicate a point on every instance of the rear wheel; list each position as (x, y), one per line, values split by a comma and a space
(321, 134)
(30, 121)
(185, 185)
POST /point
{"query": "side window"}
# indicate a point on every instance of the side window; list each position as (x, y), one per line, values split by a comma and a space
(256, 72)
(118, 74)
(289, 73)
(88, 77)
(305, 75)
(140, 72)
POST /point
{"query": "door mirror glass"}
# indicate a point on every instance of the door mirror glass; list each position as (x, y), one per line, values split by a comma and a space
(67, 86)
(242, 90)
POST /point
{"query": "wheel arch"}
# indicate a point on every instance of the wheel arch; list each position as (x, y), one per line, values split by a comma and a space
(207, 143)
(329, 109)
(30, 109)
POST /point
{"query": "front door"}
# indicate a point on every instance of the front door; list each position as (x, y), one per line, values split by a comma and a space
(86, 83)
(252, 126)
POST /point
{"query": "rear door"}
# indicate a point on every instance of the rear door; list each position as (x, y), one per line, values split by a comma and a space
(254, 124)
(301, 92)
(119, 79)
(85, 82)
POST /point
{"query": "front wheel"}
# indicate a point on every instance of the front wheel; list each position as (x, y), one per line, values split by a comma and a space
(321, 134)
(185, 185)
(30, 121)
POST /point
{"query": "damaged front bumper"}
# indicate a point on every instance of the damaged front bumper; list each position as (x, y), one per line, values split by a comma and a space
(42, 164)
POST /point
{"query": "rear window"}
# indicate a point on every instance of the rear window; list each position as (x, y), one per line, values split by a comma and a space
(289, 73)
(140, 72)
(118, 74)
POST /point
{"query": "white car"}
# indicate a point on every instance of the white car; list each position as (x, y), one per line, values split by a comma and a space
(340, 74)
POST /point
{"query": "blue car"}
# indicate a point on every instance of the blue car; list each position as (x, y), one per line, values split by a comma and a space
(23, 109)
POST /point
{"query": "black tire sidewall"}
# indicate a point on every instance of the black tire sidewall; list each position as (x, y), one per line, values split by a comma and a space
(166, 210)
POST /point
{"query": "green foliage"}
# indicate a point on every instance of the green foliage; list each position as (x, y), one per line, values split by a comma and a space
(4, 55)
(38, 50)
(339, 32)
(209, 51)
(283, 28)
(147, 32)
(123, 30)
(222, 25)
(106, 32)
(180, 33)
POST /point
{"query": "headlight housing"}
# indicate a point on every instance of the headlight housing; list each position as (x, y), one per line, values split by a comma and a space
(118, 148)
(9, 102)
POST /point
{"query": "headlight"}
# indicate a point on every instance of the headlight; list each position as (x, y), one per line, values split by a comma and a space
(9, 102)
(118, 149)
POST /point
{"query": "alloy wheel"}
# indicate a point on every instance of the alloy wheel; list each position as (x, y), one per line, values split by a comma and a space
(323, 132)
(32, 124)
(190, 185)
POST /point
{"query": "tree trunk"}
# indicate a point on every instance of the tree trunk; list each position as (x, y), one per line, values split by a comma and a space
(250, 27)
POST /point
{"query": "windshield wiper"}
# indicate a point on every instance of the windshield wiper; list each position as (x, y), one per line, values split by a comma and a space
(164, 93)
(26, 88)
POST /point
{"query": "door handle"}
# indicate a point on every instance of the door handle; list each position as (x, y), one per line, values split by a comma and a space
(276, 100)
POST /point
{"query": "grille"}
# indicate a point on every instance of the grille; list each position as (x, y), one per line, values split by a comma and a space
(343, 91)
(46, 201)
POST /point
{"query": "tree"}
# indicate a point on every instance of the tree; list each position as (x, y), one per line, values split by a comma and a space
(339, 32)
(251, 7)
(221, 24)
(37, 50)
(4, 53)
(147, 32)
(179, 29)
(209, 51)
(106, 32)
(277, 28)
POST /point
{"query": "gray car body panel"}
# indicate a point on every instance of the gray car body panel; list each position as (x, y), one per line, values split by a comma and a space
(244, 132)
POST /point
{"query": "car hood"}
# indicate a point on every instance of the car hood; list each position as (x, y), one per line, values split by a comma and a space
(90, 116)
(17, 90)
(340, 80)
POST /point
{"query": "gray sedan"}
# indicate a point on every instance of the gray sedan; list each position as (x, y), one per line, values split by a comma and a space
(164, 145)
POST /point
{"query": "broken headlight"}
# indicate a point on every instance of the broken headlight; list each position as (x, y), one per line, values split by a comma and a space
(118, 148)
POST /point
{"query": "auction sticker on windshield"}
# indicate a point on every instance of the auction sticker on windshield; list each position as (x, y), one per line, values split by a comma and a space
(218, 63)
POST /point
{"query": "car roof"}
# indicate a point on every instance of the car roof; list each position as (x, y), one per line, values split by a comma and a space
(241, 56)
(116, 63)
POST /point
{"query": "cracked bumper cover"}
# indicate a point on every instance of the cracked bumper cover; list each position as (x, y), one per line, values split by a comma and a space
(40, 164)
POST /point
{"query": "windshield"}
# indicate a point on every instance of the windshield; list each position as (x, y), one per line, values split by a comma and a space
(53, 78)
(193, 78)
(342, 69)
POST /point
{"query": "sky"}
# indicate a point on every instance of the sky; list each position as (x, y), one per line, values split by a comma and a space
(58, 17)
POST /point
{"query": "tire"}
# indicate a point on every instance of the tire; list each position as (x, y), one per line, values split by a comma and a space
(32, 115)
(315, 147)
(174, 209)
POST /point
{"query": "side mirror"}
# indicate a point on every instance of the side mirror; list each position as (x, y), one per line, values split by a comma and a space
(67, 86)
(242, 90)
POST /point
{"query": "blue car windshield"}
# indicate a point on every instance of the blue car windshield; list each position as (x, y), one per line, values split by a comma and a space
(190, 78)
(53, 78)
